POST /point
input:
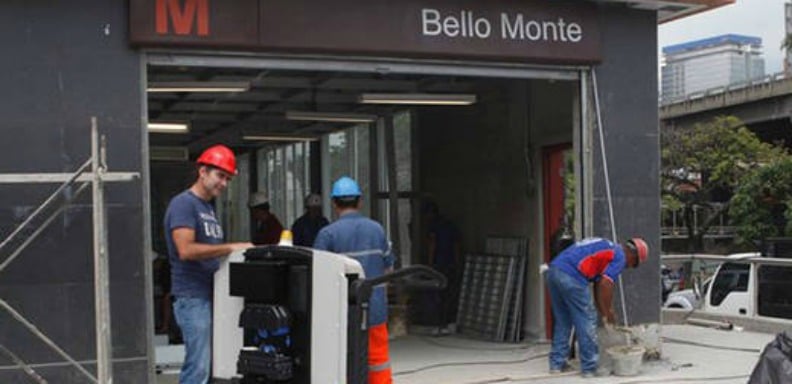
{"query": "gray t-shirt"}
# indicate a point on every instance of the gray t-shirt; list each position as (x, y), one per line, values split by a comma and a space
(192, 278)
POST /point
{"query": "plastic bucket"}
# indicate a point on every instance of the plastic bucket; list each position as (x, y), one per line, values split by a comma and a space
(626, 359)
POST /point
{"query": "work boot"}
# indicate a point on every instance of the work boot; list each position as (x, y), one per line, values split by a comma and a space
(603, 371)
(564, 369)
(598, 373)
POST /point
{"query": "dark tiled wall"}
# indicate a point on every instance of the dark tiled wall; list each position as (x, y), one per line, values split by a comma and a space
(627, 81)
(63, 63)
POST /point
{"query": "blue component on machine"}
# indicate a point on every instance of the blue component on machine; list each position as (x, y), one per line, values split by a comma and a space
(268, 327)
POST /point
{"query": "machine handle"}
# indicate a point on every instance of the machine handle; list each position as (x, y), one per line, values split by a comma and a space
(360, 291)
(430, 278)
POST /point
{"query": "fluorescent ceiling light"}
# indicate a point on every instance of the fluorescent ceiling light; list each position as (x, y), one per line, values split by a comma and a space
(332, 117)
(198, 86)
(168, 127)
(279, 138)
(417, 98)
(169, 153)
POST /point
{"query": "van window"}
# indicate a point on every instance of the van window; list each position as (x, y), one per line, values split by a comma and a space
(774, 287)
(732, 277)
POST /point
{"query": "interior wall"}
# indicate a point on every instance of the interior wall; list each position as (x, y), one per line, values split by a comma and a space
(482, 163)
(168, 179)
(472, 164)
(66, 62)
(551, 118)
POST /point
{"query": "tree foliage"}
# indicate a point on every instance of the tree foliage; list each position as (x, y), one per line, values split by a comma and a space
(762, 205)
(786, 44)
(705, 160)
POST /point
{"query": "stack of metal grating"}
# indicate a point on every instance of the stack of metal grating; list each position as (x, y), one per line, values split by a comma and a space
(491, 294)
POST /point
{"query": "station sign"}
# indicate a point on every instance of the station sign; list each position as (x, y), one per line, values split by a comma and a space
(547, 31)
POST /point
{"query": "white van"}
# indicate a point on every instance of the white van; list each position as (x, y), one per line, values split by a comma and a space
(757, 288)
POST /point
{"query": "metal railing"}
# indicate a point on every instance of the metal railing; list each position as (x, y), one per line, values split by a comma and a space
(674, 225)
(756, 82)
(719, 231)
(97, 177)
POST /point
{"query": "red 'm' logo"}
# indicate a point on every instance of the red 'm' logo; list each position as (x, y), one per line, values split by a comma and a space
(182, 14)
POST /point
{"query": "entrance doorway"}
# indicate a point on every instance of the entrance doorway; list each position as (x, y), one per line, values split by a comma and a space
(295, 131)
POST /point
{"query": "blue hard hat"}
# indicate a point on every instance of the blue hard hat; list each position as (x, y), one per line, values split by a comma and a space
(344, 187)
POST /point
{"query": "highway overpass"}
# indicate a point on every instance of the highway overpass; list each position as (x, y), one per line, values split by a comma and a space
(764, 105)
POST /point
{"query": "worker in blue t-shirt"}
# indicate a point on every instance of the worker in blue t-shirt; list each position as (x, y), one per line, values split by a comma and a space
(307, 226)
(592, 260)
(195, 244)
(364, 240)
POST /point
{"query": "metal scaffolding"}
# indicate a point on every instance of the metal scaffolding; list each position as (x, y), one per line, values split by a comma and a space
(97, 177)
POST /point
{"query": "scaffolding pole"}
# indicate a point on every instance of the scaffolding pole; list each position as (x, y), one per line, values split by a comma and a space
(20, 363)
(101, 270)
(97, 178)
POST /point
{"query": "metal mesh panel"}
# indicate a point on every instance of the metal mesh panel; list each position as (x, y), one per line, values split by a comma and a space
(484, 296)
(516, 247)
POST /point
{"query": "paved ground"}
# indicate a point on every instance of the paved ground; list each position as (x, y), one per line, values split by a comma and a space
(728, 356)
(690, 355)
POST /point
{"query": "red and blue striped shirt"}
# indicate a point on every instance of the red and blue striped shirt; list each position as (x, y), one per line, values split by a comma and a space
(591, 259)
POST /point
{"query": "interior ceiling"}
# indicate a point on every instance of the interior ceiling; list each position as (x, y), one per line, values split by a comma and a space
(226, 117)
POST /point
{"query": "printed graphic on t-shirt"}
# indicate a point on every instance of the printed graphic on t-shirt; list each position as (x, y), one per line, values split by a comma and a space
(211, 227)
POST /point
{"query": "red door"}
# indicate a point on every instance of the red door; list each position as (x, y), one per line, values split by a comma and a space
(553, 171)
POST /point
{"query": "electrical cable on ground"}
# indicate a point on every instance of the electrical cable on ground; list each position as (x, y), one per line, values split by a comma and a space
(467, 363)
(685, 379)
(510, 379)
(431, 340)
(697, 344)
(520, 379)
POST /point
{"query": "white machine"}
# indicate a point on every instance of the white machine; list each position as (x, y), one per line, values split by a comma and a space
(295, 315)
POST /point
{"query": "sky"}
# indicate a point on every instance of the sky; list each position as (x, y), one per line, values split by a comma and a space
(761, 18)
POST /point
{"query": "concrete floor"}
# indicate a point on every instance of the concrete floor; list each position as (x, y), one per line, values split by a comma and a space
(167, 379)
(690, 354)
(413, 360)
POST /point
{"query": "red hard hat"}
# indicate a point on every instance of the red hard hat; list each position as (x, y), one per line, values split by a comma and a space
(638, 245)
(219, 156)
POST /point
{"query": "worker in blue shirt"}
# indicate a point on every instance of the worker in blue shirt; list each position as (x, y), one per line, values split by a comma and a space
(195, 244)
(364, 240)
(592, 260)
(307, 226)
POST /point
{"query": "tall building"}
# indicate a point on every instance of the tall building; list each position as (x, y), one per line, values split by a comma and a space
(788, 28)
(710, 63)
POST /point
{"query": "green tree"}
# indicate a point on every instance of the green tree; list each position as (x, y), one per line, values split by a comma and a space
(762, 204)
(786, 44)
(709, 158)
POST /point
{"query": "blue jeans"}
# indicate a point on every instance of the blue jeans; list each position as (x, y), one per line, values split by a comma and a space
(194, 316)
(572, 306)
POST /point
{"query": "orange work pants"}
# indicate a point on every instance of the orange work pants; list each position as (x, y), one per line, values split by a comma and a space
(378, 360)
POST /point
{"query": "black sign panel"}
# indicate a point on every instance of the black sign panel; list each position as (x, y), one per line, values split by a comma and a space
(513, 30)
